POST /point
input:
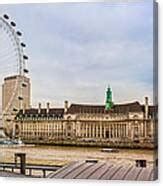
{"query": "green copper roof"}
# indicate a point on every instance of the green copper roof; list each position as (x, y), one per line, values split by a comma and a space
(109, 102)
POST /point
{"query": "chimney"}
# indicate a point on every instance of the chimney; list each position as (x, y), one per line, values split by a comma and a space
(66, 106)
(39, 108)
(146, 107)
(47, 107)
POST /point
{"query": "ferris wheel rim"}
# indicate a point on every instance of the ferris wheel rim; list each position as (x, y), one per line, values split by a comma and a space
(7, 28)
(21, 70)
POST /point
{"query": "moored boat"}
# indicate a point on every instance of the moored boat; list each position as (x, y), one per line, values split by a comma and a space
(10, 142)
(109, 150)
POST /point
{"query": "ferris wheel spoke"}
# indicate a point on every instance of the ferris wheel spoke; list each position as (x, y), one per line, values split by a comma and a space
(7, 51)
(12, 62)
(7, 58)
(8, 67)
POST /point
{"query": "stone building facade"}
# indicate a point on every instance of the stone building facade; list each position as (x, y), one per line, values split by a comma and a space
(15, 95)
(126, 124)
(11, 91)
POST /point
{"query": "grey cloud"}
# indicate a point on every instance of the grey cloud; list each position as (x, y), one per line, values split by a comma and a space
(80, 49)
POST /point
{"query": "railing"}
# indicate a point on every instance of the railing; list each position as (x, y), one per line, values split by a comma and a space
(30, 167)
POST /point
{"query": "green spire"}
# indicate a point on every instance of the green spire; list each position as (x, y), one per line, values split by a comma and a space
(109, 102)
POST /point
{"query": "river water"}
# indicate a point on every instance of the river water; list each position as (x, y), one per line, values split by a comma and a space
(62, 155)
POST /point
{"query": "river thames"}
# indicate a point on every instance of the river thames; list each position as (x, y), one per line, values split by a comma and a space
(61, 155)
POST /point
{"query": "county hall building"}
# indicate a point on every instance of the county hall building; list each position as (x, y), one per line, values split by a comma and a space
(127, 125)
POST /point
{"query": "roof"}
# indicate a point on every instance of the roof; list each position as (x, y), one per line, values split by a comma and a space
(53, 112)
(104, 171)
(14, 77)
(10, 77)
(117, 108)
(87, 109)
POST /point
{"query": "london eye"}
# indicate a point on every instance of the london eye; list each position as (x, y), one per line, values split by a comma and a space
(13, 62)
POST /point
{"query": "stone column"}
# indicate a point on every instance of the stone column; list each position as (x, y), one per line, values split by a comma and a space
(90, 131)
(120, 130)
(110, 131)
(97, 131)
(101, 136)
(48, 131)
(142, 129)
(104, 130)
(145, 129)
(63, 129)
(116, 130)
(93, 130)
(139, 130)
(152, 129)
(127, 130)
(123, 130)
(51, 130)
(86, 130)
(57, 131)
(132, 131)
(79, 127)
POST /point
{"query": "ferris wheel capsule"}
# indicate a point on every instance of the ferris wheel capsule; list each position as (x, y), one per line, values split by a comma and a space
(25, 57)
(13, 24)
(14, 46)
(23, 45)
(6, 16)
(19, 33)
(24, 85)
(26, 70)
(8, 120)
(15, 109)
(20, 98)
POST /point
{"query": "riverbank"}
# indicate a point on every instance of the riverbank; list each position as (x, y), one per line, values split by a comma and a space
(122, 145)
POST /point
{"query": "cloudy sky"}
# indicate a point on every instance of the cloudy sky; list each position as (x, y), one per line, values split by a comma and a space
(76, 50)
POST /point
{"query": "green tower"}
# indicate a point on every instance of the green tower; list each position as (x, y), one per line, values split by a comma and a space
(109, 102)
